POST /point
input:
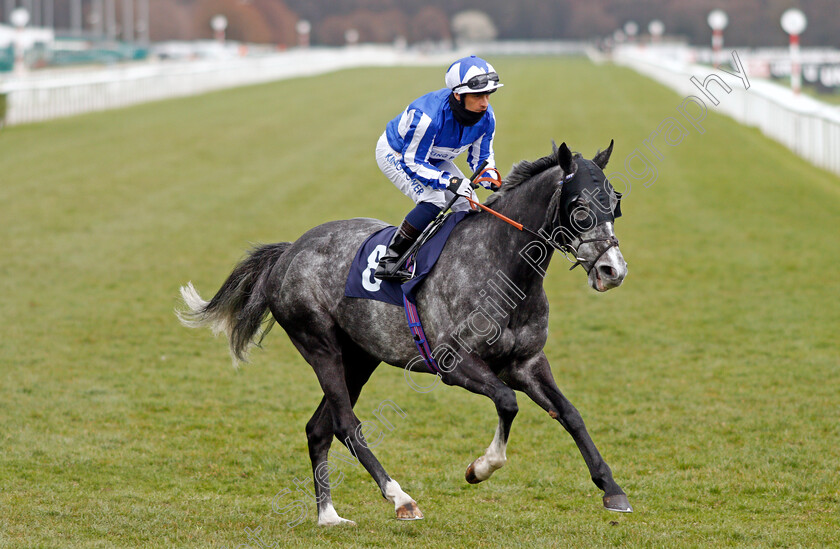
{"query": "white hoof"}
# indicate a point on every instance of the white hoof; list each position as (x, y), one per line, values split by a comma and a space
(482, 468)
(328, 517)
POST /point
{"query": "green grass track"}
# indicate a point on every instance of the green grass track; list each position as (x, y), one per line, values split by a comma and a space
(710, 380)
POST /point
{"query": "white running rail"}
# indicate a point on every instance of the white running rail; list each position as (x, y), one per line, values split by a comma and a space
(44, 95)
(808, 127)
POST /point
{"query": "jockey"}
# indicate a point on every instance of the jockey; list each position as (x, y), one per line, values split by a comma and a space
(418, 148)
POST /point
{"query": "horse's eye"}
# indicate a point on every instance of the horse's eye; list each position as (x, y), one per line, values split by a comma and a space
(581, 212)
(581, 215)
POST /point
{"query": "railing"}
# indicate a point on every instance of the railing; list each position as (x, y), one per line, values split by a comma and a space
(43, 95)
(806, 126)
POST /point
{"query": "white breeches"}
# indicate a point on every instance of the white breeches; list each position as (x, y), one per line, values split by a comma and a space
(389, 162)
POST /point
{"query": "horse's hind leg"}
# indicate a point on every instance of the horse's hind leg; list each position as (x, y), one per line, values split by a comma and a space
(535, 379)
(319, 435)
(476, 377)
(335, 372)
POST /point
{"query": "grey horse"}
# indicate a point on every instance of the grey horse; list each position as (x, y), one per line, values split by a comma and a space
(483, 306)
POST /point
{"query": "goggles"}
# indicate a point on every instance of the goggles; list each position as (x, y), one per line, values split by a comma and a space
(479, 81)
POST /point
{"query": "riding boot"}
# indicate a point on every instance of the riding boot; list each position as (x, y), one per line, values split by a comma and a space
(388, 268)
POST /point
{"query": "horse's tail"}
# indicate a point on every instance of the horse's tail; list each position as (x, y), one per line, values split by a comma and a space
(240, 306)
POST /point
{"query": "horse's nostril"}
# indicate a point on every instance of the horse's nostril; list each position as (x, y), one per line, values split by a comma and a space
(608, 272)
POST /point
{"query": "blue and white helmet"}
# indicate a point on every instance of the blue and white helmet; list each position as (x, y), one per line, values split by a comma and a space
(472, 75)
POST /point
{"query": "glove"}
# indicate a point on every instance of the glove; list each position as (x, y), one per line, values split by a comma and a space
(490, 186)
(459, 186)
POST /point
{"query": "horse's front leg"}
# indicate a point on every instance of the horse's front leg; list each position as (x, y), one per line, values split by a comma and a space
(535, 379)
(475, 376)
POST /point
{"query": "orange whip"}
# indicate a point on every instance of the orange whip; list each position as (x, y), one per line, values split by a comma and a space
(496, 183)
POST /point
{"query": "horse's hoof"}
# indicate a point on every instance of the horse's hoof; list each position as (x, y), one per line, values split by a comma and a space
(483, 468)
(618, 503)
(470, 474)
(409, 511)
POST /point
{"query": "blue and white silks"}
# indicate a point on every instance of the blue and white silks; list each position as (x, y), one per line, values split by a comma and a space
(427, 135)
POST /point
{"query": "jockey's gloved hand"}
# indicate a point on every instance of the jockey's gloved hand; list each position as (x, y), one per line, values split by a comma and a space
(461, 187)
(489, 185)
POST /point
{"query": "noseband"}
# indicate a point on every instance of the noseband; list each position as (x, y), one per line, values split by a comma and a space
(612, 242)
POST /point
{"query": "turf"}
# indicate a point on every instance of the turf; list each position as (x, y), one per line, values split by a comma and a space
(710, 380)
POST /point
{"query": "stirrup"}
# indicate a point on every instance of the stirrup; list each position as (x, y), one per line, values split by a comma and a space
(399, 275)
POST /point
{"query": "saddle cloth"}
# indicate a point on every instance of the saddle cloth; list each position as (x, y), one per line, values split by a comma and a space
(360, 280)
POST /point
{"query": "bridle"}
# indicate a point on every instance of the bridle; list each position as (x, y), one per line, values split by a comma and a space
(612, 242)
(569, 247)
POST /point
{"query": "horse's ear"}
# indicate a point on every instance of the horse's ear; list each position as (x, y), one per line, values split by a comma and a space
(603, 157)
(564, 158)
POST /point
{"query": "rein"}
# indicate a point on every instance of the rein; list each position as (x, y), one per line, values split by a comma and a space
(507, 220)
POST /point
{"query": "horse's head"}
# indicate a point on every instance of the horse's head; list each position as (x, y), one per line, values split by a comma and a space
(582, 215)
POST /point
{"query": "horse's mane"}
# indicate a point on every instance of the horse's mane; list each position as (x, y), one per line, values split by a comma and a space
(525, 170)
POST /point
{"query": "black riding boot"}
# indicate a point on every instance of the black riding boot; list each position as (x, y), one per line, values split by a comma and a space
(402, 240)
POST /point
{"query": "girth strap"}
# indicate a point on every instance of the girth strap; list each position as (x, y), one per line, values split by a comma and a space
(416, 328)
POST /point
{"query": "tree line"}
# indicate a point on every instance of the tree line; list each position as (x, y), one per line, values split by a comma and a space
(752, 23)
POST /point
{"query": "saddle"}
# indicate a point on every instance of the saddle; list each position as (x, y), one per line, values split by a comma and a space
(418, 260)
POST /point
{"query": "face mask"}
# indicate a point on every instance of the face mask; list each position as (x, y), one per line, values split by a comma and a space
(462, 115)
